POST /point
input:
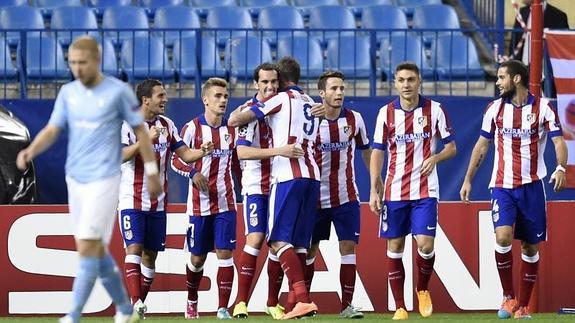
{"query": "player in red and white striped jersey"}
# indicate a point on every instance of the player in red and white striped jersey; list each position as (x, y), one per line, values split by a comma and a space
(340, 133)
(143, 219)
(255, 151)
(295, 181)
(519, 124)
(408, 128)
(211, 200)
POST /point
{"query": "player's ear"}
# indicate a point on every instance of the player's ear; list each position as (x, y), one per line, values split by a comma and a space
(322, 94)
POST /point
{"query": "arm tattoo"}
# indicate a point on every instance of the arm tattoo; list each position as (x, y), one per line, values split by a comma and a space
(479, 161)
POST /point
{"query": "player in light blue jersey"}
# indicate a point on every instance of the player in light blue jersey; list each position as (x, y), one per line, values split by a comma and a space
(91, 109)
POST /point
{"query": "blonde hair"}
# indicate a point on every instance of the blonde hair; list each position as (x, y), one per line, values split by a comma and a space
(86, 43)
(213, 81)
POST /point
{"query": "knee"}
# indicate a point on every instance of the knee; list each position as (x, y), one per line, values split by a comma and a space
(426, 248)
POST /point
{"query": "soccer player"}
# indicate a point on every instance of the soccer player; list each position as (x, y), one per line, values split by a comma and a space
(340, 133)
(519, 124)
(254, 147)
(409, 128)
(211, 201)
(91, 109)
(295, 181)
(143, 218)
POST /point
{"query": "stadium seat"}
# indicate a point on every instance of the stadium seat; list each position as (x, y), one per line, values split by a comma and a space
(435, 16)
(456, 58)
(350, 55)
(357, 6)
(180, 17)
(126, 17)
(109, 63)
(306, 50)
(44, 60)
(304, 6)
(384, 17)
(280, 17)
(145, 57)
(73, 19)
(400, 48)
(202, 6)
(415, 3)
(331, 17)
(152, 5)
(101, 5)
(13, 3)
(7, 69)
(186, 59)
(254, 6)
(24, 18)
(243, 54)
(228, 19)
(47, 6)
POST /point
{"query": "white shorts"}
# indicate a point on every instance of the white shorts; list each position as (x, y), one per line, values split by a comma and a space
(93, 208)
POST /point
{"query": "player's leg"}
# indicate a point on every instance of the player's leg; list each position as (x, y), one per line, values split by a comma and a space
(275, 279)
(225, 243)
(321, 231)
(199, 241)
(132, 227)
(155, 241)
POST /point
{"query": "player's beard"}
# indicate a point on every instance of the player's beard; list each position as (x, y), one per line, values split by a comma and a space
(510, 93)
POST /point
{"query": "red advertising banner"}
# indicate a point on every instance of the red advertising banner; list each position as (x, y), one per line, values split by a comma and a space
(38, 264)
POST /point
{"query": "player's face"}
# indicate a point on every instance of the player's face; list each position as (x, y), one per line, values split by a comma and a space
(407, 84)
(334, 92)
(216, 100)
(157, 103)
(268, 83)
(505, 83)
(84, 65)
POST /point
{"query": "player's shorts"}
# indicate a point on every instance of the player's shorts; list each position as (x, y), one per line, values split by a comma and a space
(255, 213)
(399, 218)
(93, 207)
(346, 220)
(292, 211)
(523, 206)
(206, 233)
(147, 228)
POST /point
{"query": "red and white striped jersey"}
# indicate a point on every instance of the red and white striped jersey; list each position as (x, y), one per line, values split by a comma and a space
(216, 167)
(291, 121)
(520, 135)
(335, 144)
(410, 138)
(256, 173)
(133, 186)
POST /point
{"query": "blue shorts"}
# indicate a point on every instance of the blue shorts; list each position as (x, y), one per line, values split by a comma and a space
(256, 213)
(144, 227)
(206, 233)
(293, 209)
(399, 218)
(346, 220)
(523, 206)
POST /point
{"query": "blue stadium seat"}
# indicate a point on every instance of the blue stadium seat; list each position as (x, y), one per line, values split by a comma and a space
(306, 50)
(74, 19)
(13, 3)
(152, 5)
(22, 17)
(228, 19)
(202, 6)
(350, 55)
(384, 17)
(331, 17)
(357, 6)
(415, 3)
(47, 6)
(180, 17)
(101, 5)
(186, 59)
(109, 62)
(145, 57)
(126, 17)
(243, 54)
(7, 69)
(254, 6)
(304, 6)
(44, 60)
(456, 58)
(400, 48)
(280, 17)
(435, 16)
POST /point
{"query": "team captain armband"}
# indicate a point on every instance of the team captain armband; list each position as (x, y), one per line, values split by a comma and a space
(150, 168)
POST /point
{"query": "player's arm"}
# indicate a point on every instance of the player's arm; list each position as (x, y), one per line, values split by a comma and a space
(240, 118)
(129, 152)
(191, 155)
(288, 151)
(376, 187)
(558, 175)
(477, 157)
(150, 166)
(449, 151)
(45, 138)
(366, 157)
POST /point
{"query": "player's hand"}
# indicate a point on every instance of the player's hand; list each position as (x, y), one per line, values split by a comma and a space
(154, 132)
(201, 182)
(318, 110)
(375, 202)
(428, 166)
(558, 177)
(154, 186)
(465, 192)
(24, 157)
(291, 151)
(207, 148)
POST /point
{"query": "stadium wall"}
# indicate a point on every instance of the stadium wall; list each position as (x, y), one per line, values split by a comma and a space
(465, 114)
(38, 264)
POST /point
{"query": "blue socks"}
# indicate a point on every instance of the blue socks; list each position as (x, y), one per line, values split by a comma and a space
(83, 284)
(112, 281)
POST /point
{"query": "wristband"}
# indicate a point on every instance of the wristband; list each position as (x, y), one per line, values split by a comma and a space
(150, 168)
(560, 168)
(192, 173)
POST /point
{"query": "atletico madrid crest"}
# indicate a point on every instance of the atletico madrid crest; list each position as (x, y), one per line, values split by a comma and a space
(530, 118)
(128, 235)
(253, 221)
(227, 138)
(346, 129)
(422, 121)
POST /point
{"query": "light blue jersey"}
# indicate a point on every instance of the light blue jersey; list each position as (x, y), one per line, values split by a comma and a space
(93, 118)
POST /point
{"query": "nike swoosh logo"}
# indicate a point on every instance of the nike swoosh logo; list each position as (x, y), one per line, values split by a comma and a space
(394, 273)
(430, 228)
(504, 263)
(232, 241)
(356, 233)
(539, 235)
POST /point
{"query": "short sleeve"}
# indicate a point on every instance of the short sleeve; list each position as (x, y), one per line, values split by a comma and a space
(551, 120)
(128, 105)
(246, 133)
(59, 115)
(380, 134)
(361, 139)
(178, 165)
(444, 126)
(176, 141)
(127, 137)
(488, 123)
(270, 105)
